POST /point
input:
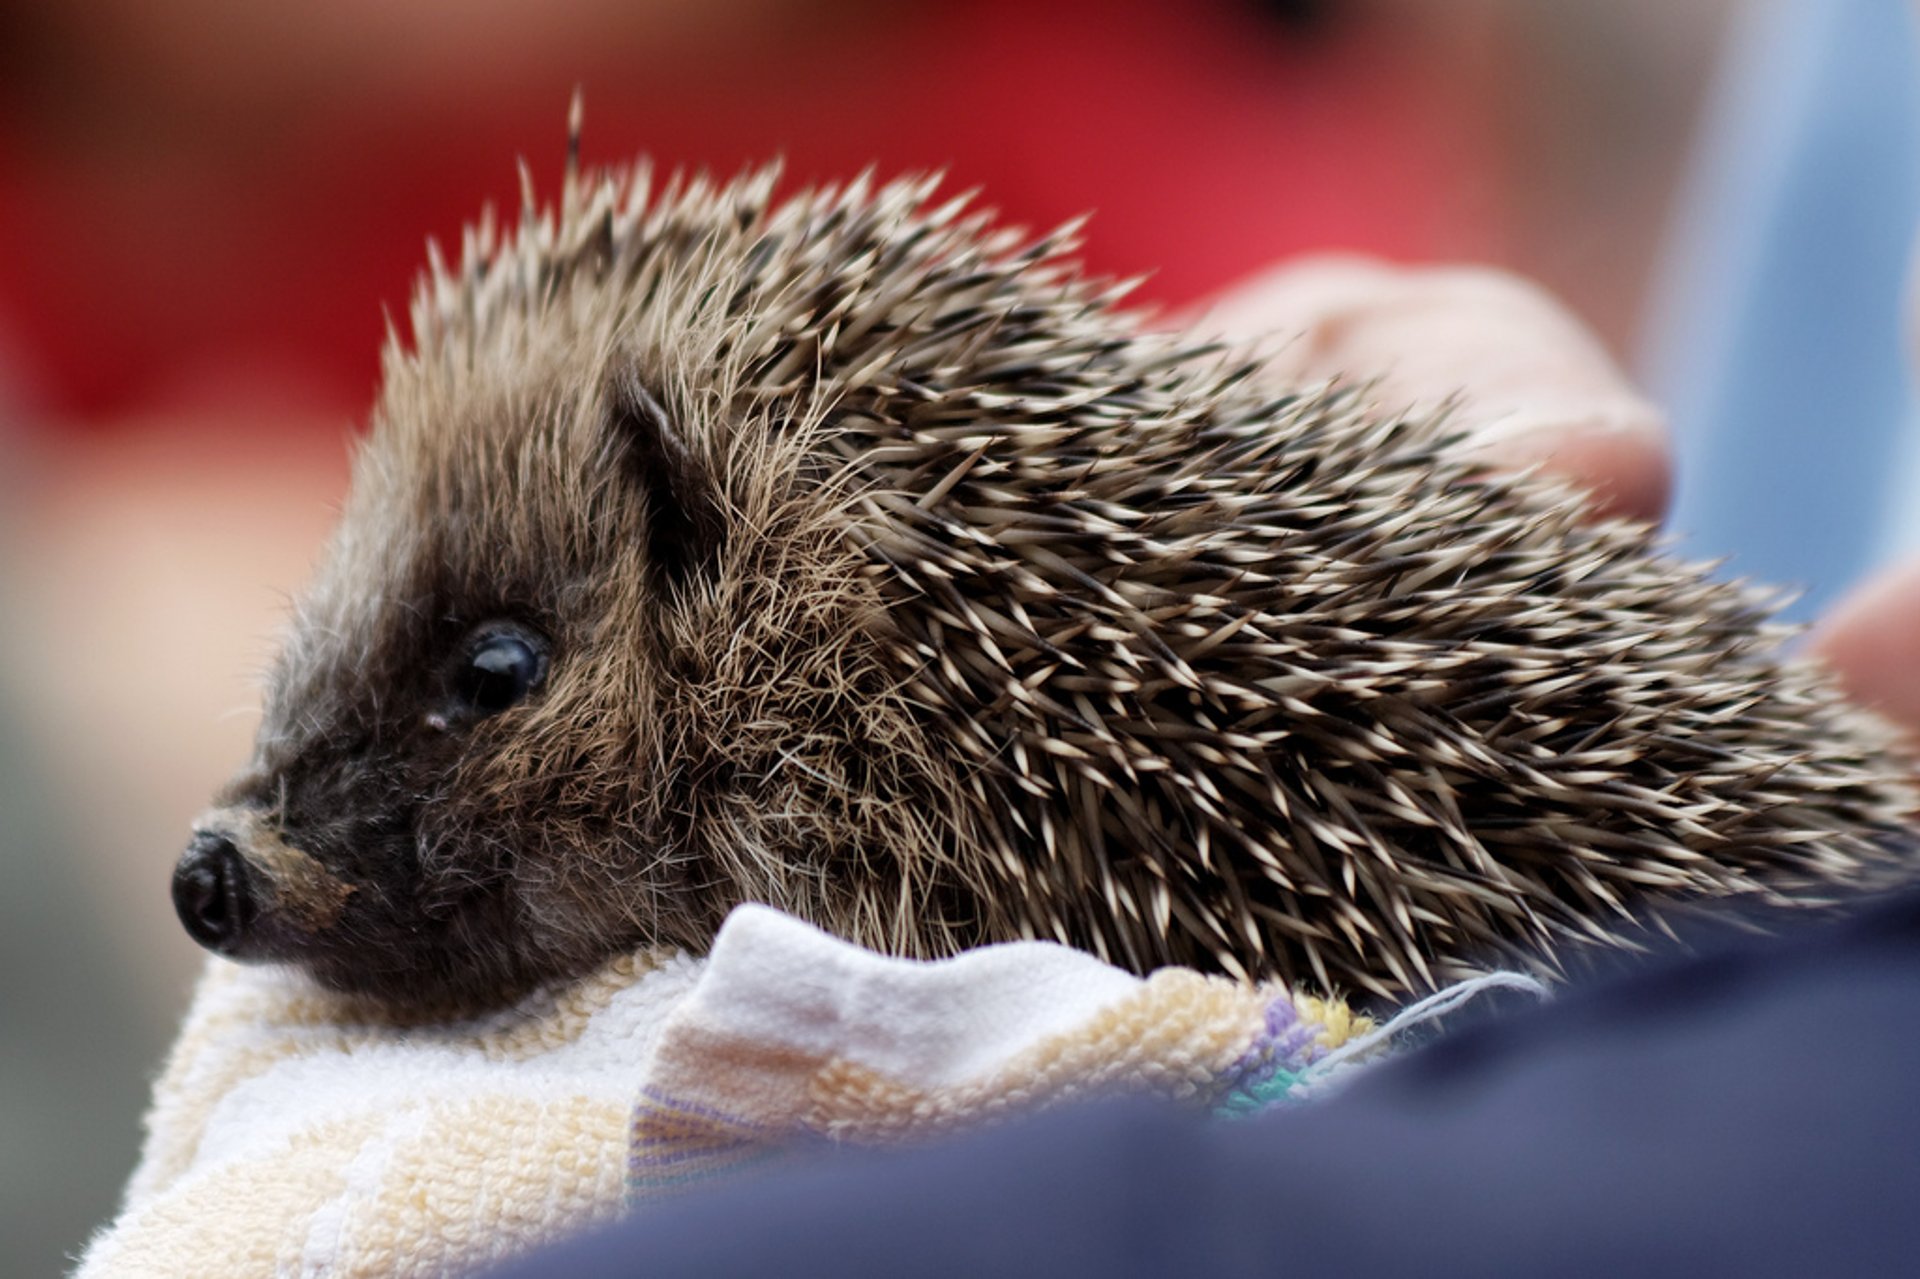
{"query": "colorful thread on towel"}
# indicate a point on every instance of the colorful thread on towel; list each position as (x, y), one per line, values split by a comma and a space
(1325, 1066)
(676, 1143)
(1276, 1059)
(1338, 1068)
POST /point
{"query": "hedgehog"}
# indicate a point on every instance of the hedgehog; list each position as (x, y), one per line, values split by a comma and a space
(856, 554)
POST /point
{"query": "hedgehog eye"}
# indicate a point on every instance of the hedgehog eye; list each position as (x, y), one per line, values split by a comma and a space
(500, 665)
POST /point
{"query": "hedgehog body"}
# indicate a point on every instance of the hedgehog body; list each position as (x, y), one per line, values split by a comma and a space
(850, 554)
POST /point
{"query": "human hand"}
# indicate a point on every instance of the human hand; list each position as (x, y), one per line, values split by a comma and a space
(1871, 641)
(1535, 388)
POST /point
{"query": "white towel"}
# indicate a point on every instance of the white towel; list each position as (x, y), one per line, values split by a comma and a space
(294, 1132)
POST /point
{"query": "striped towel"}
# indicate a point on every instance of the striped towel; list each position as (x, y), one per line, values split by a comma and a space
(296, 1132)
(792, 1039)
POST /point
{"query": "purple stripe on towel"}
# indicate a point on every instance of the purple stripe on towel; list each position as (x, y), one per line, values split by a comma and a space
(681, 1106)
(1284, 1036)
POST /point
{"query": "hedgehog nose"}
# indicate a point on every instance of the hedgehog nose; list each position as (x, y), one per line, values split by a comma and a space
(211, 894)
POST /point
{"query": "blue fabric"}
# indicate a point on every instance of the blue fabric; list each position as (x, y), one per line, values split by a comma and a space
(1778, 341)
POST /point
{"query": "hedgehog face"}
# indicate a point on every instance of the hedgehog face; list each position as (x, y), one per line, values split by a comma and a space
(592, 658)
(432, 697)
(547, 700)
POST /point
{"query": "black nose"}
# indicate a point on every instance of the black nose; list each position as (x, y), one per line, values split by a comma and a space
(211, 893)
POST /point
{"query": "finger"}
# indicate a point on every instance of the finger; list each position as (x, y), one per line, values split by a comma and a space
(1871, 640)
(1532, 385)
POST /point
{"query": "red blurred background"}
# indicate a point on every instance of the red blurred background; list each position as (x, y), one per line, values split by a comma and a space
(237, 193)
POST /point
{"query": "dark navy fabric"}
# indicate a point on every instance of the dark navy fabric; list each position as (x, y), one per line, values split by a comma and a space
(1747, 1112)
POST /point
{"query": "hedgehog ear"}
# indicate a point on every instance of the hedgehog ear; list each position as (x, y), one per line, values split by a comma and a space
(685, 530)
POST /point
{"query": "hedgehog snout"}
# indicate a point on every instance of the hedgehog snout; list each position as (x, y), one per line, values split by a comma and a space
(244, 892)
(213, 894)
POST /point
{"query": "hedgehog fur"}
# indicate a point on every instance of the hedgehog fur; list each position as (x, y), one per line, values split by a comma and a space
(856, 555)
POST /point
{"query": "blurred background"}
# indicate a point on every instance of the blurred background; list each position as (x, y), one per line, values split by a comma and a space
(207, 206)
